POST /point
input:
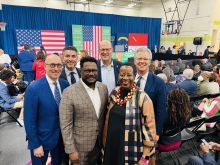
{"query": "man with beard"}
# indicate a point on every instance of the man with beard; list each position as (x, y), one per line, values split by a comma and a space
(81, 115)
(41, 115)
(70, 72)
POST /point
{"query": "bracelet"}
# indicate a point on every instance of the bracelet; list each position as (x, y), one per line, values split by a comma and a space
(145, 161)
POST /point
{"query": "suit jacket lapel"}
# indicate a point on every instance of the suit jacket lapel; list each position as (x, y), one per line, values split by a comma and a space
(87, 98)
(102, 97)
(48, 90)
(149, 82)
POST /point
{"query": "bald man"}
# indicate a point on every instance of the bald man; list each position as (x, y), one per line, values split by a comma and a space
(41, 116)
(108, 68)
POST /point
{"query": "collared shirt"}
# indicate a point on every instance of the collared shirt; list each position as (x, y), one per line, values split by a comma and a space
(68, 75)
(94, 96)
(108, 76)
(3, 83)
(5, 58)
(143, 80)
(52, 86)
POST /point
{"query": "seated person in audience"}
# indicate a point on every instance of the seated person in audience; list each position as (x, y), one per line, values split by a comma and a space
(206, 65)
(7, 101)
(169, 85)
(181, 65)
(188, 84)
(38, 65)
(204, 86)
(174, 67)
(215, 71)
(208, 158)
(179, 112)
(214, 86)
(4, 58)
(197, 71)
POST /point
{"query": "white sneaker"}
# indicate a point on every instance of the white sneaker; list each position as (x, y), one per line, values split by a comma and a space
(21, 122)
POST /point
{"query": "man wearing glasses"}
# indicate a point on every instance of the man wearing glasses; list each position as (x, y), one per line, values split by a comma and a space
(41, 115)
(108, 68)
(81, 115)
(70, 72)
(152, 85)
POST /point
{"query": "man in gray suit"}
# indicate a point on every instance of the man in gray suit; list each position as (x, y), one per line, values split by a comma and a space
(81, 115)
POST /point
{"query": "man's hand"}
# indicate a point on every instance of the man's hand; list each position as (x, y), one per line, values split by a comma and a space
(39, 152)
(204, 148)
(215, 146)
(74, 156)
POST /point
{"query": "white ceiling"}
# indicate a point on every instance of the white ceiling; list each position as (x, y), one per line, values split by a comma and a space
(119, 3)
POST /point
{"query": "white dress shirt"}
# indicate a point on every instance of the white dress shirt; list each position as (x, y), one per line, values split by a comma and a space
(94, 96)
(143, 80)
(108, 76)
(68, 75)
(52, 86)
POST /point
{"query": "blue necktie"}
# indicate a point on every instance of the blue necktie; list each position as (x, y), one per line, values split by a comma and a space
(57, 93)
(73, 80)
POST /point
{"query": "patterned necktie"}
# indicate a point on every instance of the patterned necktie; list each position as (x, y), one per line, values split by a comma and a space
(73, 80)
(56, 93)
(139, 81)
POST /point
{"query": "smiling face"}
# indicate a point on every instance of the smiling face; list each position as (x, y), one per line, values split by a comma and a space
(70, 59)
(126, 77)
(89, 73)
(142, 62)
(105, 50)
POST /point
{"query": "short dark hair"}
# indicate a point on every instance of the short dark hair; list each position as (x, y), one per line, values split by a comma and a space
(73, 48)
(87, 59)
(40, 55)
(6, 73)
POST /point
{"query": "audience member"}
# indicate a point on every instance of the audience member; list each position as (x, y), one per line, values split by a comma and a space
(188, 84)
(215, 71)
(174, 67)
(162, 49)
(182, 50)
(107, 67)
(82, 115)
(206, 65)
(152, 85)
(208, 158)
(4, 58)
(41, 116)
(169, 51)
(25, 60)
(127, 141)
(38, 65)
(214, 86)
(179, 113)
(204, 86)
(181, 65)
(197, 71)
(70, 72)
(174, 51)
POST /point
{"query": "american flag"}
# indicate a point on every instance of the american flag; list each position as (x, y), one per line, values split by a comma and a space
(52, 40)
(92, 35)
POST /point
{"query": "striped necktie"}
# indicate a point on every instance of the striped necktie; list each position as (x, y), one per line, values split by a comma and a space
(139, 81)
(56, 93)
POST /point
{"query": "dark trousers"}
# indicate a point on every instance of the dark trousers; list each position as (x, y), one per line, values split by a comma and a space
(58, 155)
(29, 76)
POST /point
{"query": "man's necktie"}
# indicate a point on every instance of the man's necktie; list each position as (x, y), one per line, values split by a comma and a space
(56, 93)
(73, 80)
(139, 81)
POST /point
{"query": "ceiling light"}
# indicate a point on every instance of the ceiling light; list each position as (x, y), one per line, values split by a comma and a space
(108, 1)
(132, 4)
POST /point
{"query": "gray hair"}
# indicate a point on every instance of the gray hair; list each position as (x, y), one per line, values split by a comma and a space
(188, 74)
(163, 77)
(143, 49)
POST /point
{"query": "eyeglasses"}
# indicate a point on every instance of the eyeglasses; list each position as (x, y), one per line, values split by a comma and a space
(52, 65)
(107, 50)
(87, 71)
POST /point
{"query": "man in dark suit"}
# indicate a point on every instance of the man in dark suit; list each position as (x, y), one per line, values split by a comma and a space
(108, 68)
(152, 85)
(70, 72)
(206, 52)
(25, 60)
(41, 116)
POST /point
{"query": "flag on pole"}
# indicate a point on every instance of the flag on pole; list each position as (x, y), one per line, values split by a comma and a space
(52, 40)
(89, 37)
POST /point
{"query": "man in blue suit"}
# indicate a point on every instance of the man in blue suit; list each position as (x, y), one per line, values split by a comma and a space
(25, 60)
(108, 68)
(41, 115)
(152, 85)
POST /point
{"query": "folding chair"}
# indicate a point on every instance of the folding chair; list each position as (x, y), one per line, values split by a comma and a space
(8, 111)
